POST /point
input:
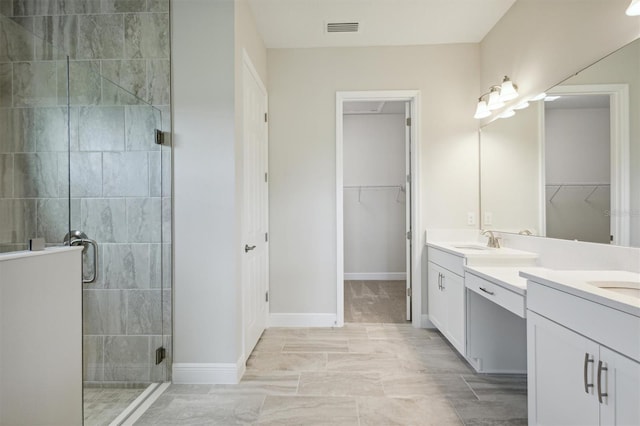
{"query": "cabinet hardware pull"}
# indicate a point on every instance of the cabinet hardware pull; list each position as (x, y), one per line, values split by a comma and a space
(587, 360)
(487, 291)
(439, 281)
(442, 286)
(600, 370)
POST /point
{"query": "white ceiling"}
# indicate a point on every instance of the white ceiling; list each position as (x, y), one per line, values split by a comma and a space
(302, 23)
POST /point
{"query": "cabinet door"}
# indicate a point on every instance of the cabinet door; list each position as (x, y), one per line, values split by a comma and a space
(454, 293)
(556, 383)
(621, 383)
(436, 302)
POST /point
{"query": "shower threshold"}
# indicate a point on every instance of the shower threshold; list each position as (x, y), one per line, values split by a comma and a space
(140, 405)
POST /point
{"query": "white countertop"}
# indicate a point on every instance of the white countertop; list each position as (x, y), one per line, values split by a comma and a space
(505, 276)
(26, 253)
(575, 282)
(487, 254)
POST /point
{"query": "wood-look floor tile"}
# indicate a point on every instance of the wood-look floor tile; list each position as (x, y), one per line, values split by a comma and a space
(308, 411)
(316, 345)
(424, 384)
(341, 384)
(267, 361)
(279, 383)
(363, 362)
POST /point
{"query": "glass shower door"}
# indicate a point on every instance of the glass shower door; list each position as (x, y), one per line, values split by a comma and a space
(117, 198)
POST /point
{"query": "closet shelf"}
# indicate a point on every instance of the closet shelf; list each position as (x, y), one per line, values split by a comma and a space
(576, 185)
(360, 188)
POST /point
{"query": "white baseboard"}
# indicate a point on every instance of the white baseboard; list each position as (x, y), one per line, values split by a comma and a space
(302, 320)
(208, 374)
(425, 322)
(375, 276)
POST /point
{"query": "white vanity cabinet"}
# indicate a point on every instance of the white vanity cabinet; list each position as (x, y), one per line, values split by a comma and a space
(446, 296)
(574, 379)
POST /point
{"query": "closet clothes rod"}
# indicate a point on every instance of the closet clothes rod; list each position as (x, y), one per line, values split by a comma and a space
(400, 189)
(577, 185)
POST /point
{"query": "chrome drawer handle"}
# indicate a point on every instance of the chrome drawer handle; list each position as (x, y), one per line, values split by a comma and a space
(600, 393)
(587, 360)
(487, 291)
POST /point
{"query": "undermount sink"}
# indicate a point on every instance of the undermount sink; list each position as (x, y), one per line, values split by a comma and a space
(627, 288)
(472, 247)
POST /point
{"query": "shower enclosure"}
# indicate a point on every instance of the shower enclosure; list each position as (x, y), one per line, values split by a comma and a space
(81, 150)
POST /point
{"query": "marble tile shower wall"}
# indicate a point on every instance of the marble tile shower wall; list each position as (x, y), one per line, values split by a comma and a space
(119, 55)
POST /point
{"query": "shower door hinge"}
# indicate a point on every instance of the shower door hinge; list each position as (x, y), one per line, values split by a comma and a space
(266, 296)
(161, 354)
(159, 137)
(408, 235)
(409, 121)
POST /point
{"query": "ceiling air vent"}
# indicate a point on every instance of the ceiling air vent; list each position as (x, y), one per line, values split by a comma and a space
(342, 27)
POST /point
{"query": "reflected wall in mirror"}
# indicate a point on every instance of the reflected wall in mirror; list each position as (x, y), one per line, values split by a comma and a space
(569, 166)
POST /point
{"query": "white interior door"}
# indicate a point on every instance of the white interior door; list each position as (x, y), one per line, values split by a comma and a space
(255, 250)
(407, 150)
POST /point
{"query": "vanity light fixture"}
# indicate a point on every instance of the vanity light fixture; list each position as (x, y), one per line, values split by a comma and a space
(496, 98)
(507, 114)
(551, 98)
(522, 105)
(634, 8)
(539, 97)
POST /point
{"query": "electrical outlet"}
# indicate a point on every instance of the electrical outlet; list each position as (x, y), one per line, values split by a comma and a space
(488, 218)
(471, 218)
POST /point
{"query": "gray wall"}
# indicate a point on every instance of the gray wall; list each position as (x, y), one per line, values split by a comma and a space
(119, 194)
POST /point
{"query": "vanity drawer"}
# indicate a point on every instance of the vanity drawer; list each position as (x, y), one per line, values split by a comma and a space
(499, 295)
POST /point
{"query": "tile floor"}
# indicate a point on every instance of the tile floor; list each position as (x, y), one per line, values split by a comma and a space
(102, 405)
(362, 374)
(375, 301)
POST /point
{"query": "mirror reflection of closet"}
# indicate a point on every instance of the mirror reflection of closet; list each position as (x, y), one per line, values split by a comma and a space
(577, 167)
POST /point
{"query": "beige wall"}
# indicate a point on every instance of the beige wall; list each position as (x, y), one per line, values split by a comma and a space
(302, 91)
(539, 43)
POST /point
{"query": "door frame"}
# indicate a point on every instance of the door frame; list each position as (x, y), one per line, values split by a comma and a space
(620, 226)
(413, 97)
(246, 62)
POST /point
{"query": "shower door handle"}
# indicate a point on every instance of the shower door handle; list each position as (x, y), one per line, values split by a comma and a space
(85, 242)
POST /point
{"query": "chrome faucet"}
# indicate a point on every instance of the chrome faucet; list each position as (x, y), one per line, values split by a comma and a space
(493, 240)
(525, 232)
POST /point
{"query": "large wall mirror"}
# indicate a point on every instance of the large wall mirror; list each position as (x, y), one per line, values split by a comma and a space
(568, 166)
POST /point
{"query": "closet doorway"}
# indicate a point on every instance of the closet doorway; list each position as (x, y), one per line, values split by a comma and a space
(376, 214)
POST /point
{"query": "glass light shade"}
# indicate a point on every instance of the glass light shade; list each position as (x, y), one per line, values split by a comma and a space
(540, 96)
(522, 105)
(494, 100)
(508, 113)
(507, 90)
(482, 111)
(634, 8)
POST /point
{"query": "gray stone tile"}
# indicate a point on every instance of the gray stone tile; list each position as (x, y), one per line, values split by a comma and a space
(159, 82)
(147, 36)
(160, 260)
(167, 219)
(101, 129)
(316, 345)
(36, 175)
(140, 125)
(53, 218)
(6, 175)
(126, 266)
(86, 174)
(493, 387)
(101, 36)
(160, 173)
(34, 84)
(16, 43)
(18, 127)
(104, 312)
(57, 36)
(484, 412)
(340, 384)
(363, 362)
(93, 358)
(414, 384)
(283, 383)
(104, 220)
(127, 358)
(85, 83)
(144, 220)
(35, 7)
(213, 409)
(17, 221)
(6, 85)
(406, 412)
(81, 7)
(128, 75)
(125, 174)
(144, 312)
(158, 5)
(123, 6)
(50, 127)
(308, 410)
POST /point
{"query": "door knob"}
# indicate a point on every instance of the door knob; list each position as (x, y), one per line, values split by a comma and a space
(248, 248)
